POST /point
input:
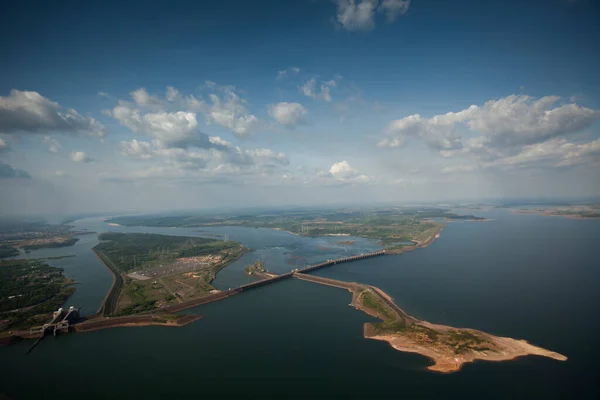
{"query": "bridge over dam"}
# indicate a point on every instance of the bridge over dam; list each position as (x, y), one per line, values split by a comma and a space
(327, 263)
(227, 293)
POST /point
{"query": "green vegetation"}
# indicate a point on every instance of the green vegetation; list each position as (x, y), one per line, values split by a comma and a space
(373, 302)
(29, 288)
(47, 245)
(175, 277)
(393, 227)
(110, 303)
(8, 251)
(258, 266)
(136, 308)
(129, 251)
(464, 341)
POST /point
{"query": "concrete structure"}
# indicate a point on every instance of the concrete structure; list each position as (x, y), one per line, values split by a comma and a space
(60, 322)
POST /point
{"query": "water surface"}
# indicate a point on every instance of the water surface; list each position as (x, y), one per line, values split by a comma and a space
(524, 276)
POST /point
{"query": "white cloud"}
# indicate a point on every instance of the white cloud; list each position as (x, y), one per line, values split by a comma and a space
(172, 94)
(215, 165)
(80, 156)
(289, 114)
(552, 153)
(30, 112)
(309, 89)
(137, 149)
(170, 129)
(356, 15)
(515, 120)
(287, 72)
(343, 172)
(394, 8)
(359, 15)
(227, 110)
(232, 114)
(219, 141)
(103, 94)
(4, 147)
(390, 142)
(143, 99)
(53, 145)
(438, 132)
(518, 119)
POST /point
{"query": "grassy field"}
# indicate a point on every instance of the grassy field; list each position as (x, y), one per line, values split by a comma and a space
(48, 245)
(393, 227)
(129, 251)
(459, 341)
(156, 256)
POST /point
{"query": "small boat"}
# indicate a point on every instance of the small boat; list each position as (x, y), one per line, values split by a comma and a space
(350, 305)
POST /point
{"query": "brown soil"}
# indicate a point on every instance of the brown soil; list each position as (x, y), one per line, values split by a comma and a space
(133, 320)
(448, 347)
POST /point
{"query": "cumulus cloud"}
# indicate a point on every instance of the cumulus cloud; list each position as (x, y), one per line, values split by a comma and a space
(227, 109)
(9, 172)
(289, 114)
(147, 114)
(172, 94)
(177, 150)
(215, 166)
(394, 8)
(356, 15)
(80, 156)
(310, 89)
(232, 114)
(512, 121)
(53, 144)
(143, 99)
(359, 15)
(175, 129)
(4, 147)
(30, 112)
(518, 119)
(343, 172)
(137, 149)
(222, 156)
(552, 153)
(287, 72)
(390, 142)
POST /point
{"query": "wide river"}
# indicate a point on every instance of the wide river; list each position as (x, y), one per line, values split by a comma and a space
(523, 276)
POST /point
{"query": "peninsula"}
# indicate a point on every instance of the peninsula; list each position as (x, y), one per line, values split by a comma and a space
(153, 271)
(450, 348)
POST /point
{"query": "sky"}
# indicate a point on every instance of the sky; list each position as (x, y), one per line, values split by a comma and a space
(148, 106)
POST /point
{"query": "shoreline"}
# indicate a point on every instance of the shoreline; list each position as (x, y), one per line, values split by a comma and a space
(134, 321)
(102, 307)
(413, 337)
(283, 230)
(419, 245)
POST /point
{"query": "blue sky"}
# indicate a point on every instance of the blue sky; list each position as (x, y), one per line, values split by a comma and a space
(166, 105)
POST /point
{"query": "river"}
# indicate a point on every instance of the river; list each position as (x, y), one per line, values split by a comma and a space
(523, 276)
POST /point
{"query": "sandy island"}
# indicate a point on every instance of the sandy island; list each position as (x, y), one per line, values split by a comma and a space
(450, 348)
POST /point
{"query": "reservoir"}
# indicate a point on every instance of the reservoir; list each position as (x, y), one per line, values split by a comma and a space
(522, 276)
